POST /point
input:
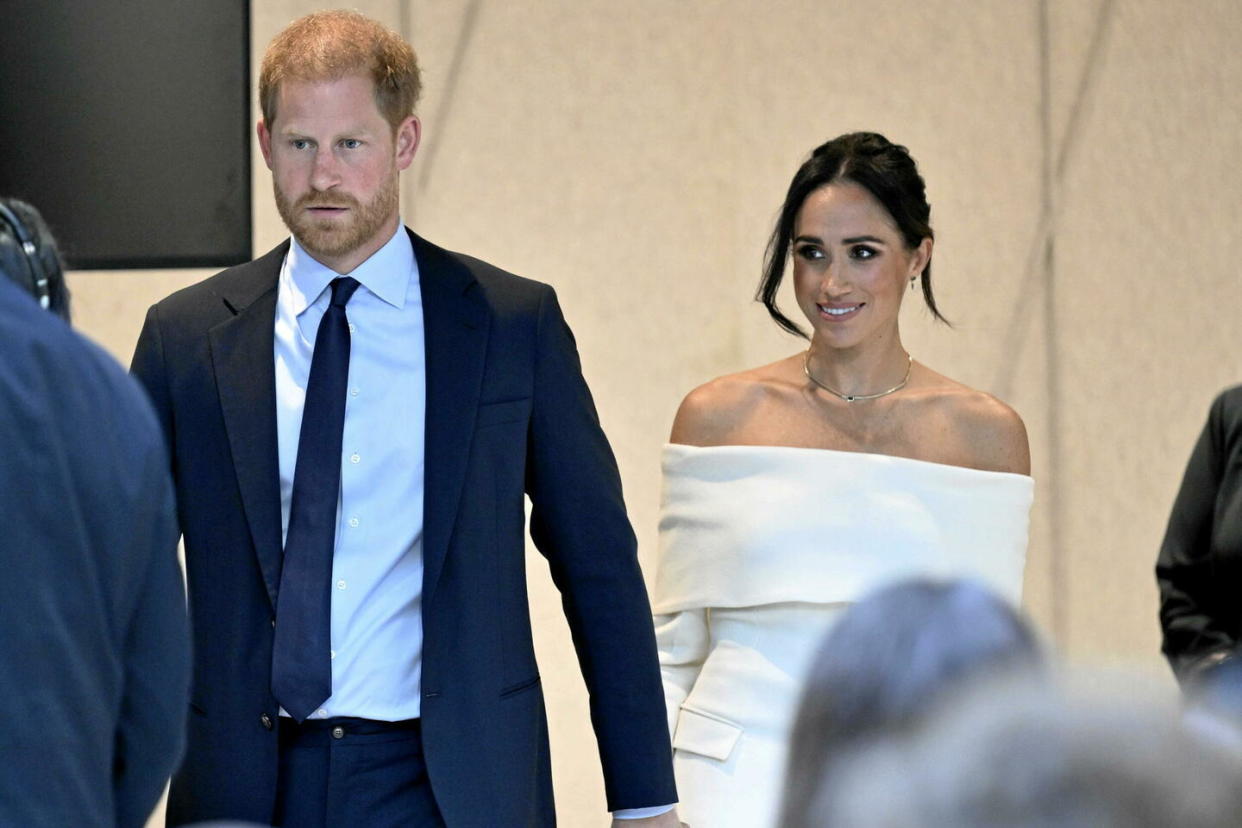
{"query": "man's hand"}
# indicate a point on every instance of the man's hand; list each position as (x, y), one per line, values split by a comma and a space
(665, 820)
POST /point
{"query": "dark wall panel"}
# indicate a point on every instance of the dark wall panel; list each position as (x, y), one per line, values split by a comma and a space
(126, 122)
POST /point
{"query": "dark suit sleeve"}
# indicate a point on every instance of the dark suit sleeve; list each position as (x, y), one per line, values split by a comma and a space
(147, 367)
(578, 522)
(1197, 627)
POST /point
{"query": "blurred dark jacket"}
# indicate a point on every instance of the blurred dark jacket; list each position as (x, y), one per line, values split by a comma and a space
(94, 653)
(1199, 570)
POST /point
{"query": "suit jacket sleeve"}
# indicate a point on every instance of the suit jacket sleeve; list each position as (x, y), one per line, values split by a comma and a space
(147, 367)
(1197, 579)
(578, 522)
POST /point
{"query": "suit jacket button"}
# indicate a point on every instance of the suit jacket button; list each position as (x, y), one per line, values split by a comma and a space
(266, 720)
(338, 732)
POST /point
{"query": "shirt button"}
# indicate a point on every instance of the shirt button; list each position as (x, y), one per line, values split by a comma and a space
(321, 713)
(340, 584)
(353, 521)
(331, 653)
(354, 458)
(266, 721)
(351, 327)
(353, 392)
(338, 732)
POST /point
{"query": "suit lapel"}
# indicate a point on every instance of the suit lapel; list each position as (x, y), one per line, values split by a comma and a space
(242, 354)
(455, 329)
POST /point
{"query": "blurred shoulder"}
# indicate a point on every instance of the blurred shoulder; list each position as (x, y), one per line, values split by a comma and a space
(50, 368)
(1227, 406)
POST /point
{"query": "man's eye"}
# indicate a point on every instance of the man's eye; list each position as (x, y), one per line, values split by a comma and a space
(299, 144)
(351, 143)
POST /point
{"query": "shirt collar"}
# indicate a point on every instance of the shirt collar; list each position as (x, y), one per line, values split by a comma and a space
(388, 273)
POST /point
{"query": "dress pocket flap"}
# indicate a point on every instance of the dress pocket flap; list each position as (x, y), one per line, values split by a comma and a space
(705, 734)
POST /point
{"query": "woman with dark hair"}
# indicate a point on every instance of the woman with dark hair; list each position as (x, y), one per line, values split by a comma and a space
(889, 661)
(792, 488)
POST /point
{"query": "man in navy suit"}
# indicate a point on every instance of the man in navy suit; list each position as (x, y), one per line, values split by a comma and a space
(94, 654)
(357, 586)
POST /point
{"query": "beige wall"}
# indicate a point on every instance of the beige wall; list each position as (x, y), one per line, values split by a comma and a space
(634, 154)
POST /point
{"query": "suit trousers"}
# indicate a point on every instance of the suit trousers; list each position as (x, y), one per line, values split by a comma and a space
(344, 772)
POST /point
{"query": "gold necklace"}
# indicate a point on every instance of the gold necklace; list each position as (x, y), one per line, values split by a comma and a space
(849, 398)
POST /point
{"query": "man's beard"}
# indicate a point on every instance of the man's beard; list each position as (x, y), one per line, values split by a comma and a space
(332, 238)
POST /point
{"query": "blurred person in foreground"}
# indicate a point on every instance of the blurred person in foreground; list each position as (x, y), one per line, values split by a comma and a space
(1017, 755)
(29, 257)
(891, 658)
(356, 419)
(94, 656)
(792, 489)
(1199, 568)
(1213, 701)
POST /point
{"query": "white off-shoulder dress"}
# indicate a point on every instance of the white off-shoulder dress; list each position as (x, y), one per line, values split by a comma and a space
(761, 547)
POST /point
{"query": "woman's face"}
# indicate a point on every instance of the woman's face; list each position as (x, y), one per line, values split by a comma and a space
(851, 265)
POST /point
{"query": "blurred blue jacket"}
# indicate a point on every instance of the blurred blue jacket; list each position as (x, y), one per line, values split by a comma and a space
(94, 647)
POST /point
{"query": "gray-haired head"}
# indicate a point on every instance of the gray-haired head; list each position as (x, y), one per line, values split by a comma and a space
(1007, 755)
(888, 660)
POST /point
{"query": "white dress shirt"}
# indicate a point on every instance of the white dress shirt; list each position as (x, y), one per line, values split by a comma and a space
(377, 568)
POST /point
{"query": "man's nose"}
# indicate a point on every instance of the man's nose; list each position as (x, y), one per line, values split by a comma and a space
(325, 174)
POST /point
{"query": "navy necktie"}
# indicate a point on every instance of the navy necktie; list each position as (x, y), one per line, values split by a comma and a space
(301, 654)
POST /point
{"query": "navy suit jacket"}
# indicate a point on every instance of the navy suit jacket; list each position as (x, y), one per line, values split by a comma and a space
(508, 414)
(94, 650)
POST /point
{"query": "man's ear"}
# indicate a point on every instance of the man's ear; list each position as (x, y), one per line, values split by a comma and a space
(265, 142)
(409, 133)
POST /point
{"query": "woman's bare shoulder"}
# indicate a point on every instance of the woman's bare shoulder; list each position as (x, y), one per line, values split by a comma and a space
(988, 432)
(716, 410)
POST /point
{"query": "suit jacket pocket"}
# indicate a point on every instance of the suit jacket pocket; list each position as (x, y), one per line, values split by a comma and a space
(505, 411)
(706, 734)
(514, 689)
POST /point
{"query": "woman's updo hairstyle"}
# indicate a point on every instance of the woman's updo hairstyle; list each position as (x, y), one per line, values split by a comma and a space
(871, 161)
